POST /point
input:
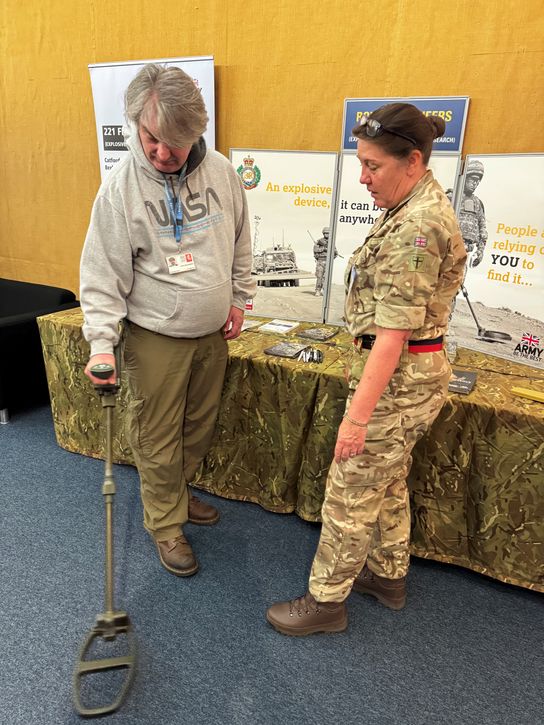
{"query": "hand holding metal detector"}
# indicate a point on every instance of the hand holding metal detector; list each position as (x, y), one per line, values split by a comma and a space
(102, 370)
(111, 623)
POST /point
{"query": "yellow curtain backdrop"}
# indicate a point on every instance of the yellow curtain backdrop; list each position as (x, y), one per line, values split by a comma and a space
(283, 69)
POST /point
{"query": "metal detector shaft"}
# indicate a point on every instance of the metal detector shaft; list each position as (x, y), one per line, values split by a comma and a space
(107, 393)
(108, 490)
(465, 293)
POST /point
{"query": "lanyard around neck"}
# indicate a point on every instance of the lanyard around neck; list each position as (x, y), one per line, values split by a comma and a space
(174, 203)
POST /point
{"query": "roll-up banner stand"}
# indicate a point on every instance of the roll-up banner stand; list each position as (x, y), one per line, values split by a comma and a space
(500, 207)
(355, 211)
(109, 82)
(290, 196)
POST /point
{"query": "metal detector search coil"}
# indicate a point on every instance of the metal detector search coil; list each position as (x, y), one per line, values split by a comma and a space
(485, 335)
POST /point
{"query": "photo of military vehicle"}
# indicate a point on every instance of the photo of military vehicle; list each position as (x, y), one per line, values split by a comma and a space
(276, 266)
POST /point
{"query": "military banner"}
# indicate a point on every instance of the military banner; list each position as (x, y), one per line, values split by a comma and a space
(356, 212)
(290, 199)
(500, 310)
(109, 82)
(453, 109)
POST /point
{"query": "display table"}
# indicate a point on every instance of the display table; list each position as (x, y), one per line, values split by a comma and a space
(477, 480)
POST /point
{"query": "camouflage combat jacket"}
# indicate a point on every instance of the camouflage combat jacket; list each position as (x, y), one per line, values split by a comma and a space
(409, 269)
(320, 249)
(472, 220)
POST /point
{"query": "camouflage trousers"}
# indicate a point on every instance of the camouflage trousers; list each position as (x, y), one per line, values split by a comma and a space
(320, 274)
(366, 510)
(175, 385)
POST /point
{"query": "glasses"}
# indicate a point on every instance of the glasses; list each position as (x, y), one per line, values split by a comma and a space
(374, 128)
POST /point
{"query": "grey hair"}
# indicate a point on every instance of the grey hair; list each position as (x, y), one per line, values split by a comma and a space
(170, 99)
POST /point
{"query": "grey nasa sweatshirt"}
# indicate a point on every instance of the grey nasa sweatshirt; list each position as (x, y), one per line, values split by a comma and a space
(124, 272)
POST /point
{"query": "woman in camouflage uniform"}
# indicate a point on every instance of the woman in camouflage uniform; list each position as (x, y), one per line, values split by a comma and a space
(400, 285)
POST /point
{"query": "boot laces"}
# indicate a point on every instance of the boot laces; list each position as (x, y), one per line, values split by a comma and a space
(303, 605)
(178, 540)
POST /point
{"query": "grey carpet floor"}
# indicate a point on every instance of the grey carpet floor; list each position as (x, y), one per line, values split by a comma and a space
(465, 650)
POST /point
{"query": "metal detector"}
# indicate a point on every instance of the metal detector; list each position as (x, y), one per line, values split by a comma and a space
(111, 623)
(485, 335)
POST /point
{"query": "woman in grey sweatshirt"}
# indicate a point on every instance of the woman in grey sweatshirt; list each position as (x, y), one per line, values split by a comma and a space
(168, 250)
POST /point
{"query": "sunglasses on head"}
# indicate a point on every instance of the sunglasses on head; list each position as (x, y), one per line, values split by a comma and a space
(374, 128)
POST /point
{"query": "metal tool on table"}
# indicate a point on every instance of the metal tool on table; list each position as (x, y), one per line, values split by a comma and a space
(485, 335)
(111, 623)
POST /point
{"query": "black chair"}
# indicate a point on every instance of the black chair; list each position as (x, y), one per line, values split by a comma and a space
(22, 372)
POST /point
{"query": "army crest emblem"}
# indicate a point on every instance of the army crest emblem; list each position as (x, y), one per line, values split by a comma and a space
(249, 173)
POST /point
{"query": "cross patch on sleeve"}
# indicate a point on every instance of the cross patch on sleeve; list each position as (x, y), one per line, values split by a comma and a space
(417, 263)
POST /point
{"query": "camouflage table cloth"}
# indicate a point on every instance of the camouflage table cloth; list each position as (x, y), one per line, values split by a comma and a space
(477, 481)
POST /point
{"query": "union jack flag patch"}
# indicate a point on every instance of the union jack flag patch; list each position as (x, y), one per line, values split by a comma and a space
(420, 242)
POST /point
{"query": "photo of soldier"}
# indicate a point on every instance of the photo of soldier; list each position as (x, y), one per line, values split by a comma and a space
(471, 214)
(472, 223)
(321, 247)
(471, 218)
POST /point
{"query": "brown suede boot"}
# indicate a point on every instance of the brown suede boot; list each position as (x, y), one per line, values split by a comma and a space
(390, 592)
(305, 616)
(177, 556)
(201, 513)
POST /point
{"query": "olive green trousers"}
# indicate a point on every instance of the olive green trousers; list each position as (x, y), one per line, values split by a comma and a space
(175, 386)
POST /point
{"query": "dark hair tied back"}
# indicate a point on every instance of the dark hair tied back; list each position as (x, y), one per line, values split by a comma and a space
(438, 124)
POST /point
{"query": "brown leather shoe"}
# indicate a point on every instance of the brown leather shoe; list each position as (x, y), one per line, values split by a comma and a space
(201, 513)
(390, 592)
(305, 616)
(177, 556)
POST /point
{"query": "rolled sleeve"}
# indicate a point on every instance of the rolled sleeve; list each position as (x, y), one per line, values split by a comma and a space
(397, 317)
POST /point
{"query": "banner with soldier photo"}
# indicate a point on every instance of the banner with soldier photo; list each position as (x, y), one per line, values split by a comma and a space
(355, 213)
(109, 82)
(500, 208)
(290, 198)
